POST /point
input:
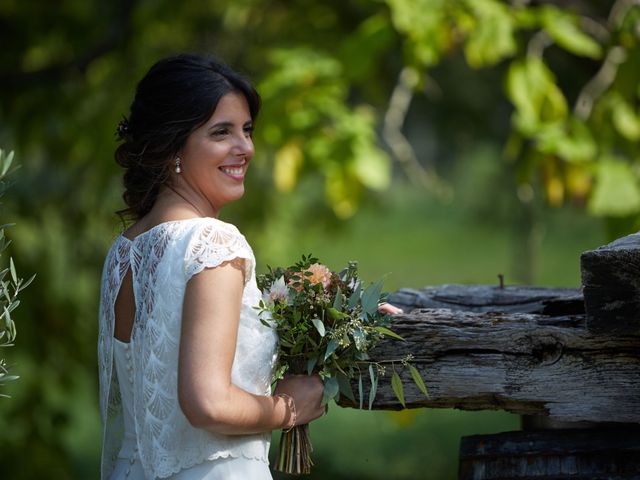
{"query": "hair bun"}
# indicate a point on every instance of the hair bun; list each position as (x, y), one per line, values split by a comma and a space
(123, 130)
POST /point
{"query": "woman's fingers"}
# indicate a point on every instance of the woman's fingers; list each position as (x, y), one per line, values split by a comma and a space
(306, 391)
(390, 309)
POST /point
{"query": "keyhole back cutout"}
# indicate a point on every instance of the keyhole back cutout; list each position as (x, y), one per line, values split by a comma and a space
(125, 309)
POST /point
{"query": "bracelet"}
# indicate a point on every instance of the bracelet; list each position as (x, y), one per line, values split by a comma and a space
(292, 409)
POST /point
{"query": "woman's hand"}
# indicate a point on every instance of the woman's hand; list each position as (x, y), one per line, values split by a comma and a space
(306, 392)
(390, 309)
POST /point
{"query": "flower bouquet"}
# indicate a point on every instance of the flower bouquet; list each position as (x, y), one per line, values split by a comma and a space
(327, 323)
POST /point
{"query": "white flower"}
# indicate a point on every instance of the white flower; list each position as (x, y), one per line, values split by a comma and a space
(278, 291)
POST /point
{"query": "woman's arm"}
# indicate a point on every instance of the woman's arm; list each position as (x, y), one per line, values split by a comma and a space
(210, 319)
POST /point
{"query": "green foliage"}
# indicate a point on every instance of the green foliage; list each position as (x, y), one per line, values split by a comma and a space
(547, 127)
(318, 132)
(10, 284)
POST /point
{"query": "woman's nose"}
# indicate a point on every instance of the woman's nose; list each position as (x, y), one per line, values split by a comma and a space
(244, 145)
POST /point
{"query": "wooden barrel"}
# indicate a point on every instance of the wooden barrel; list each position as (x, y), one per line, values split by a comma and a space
(594, 453)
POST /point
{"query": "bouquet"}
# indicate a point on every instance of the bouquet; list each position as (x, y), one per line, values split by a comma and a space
(327, 323)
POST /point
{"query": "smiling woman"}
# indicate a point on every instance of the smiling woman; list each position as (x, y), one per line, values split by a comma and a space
(185, 363)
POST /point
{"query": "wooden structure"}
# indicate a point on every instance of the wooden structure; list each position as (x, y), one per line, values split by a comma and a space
(568, 360)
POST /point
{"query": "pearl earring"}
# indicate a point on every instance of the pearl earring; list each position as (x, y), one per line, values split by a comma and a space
(178, 168)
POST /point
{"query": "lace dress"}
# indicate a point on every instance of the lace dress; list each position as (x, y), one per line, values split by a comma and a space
(145, 434)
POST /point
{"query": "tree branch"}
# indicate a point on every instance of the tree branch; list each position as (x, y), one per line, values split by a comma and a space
(400, 146)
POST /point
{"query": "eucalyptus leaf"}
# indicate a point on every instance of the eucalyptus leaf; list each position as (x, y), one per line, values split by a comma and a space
(331, 347)
(371, 297)
(398, 389)
(345, 386)
(355, 296)
(389, 333)
(331, 389)
(337, 303)
(417, 378)
(335, 314)
(311, 363)
(359, 338)
(319, 326)
(374, 385)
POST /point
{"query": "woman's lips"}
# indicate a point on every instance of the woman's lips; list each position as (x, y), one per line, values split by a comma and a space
(234, 171)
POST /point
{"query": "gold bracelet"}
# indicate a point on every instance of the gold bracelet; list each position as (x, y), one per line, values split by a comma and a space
(292, 408)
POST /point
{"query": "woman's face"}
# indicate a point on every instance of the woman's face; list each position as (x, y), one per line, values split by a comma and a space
(216, 156)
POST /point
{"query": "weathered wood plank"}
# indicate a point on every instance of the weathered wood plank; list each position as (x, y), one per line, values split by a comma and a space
(577, 453)
(611, 285)
(492, 298)
(523, 363)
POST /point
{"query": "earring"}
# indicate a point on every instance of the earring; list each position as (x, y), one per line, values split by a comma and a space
(178, 168)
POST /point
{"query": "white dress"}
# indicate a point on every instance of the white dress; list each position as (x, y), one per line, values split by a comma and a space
(145, 434)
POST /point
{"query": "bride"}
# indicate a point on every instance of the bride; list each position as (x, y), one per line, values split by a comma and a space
(185, 364)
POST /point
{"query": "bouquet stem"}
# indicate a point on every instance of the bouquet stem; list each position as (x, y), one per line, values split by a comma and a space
(294, 454)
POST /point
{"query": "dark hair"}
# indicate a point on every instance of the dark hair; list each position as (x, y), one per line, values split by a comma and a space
(176, 96)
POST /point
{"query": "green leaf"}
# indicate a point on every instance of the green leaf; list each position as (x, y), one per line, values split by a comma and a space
(360, 393)
(12, 268)
(331, 347)
(355, 296)
(572, 141)
(319, 326)
(563, 28)
(331, 389)
(532, 88)
(6, 163)
(374, 386)
(7, 319)
(389, 333)
(371, 297)
(616, 191)
(417, 378)
(626, 121)
(359, 338)
(491, 38)
(345, 386)
(311, 363)
(337, 302)
(371, 165)
(335, 314)
(398, 389)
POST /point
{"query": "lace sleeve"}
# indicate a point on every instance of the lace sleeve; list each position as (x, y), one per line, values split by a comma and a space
(213, 243)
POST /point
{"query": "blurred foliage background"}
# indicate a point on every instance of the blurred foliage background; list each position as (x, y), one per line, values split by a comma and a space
(444, 141)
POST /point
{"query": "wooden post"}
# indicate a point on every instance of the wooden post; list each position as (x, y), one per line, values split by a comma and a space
(611, 284)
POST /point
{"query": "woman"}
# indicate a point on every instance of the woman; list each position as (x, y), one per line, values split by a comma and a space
(185, 364)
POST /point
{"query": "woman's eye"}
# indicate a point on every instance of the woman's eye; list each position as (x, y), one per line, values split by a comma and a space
(248, 131)
(220, 133)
